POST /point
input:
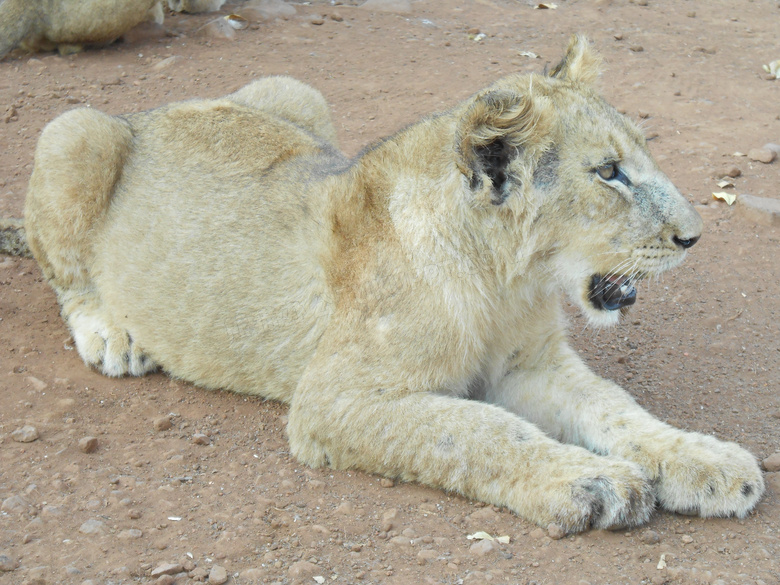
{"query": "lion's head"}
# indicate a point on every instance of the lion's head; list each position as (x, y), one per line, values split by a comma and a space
(553, 160)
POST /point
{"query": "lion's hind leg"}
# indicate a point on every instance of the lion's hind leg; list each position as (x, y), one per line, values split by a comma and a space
(290, 100)
(78, 161)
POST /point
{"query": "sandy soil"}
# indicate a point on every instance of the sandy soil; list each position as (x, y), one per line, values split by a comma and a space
(219, 488)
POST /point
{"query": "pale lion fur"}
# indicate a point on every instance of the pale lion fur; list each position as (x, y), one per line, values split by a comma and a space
(406, 303)
(69, 25)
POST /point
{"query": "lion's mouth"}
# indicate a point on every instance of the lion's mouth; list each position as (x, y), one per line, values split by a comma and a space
(610, 293)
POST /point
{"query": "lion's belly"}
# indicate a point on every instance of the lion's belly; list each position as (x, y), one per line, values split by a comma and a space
(222, 287)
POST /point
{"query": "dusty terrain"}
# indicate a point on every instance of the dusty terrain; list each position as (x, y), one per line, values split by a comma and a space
(219, 490)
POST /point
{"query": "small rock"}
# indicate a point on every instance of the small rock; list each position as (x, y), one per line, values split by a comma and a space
(538, 533)
(165, 580)
(427, 554)
(650, 537)
(92, 526)
(555, 532)
(762, 155)
(166, 63)
(88, 444)
(771, 463)
(482, 547)
(396, 6)
(317, 21)
(26, 434)
(14, 505)
(762, 210)
(686, 539)
(7, 563)
(218, 575)
(302, 570)
(731, 172)
(201, 439)
(336, 17)
(636, 48)
(483, 515)
(386, 483)
(219, 28)
(346, 508)
(162, 423)
(389, 520)
(130, 534)
(167, 569)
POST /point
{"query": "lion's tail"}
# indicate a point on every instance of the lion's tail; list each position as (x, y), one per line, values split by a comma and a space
(12, 238)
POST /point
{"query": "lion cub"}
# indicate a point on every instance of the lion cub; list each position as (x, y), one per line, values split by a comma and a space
(68, 25)
(406, 304)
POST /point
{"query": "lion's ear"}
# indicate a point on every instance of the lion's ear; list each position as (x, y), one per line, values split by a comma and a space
(581, 64)
(498, 126)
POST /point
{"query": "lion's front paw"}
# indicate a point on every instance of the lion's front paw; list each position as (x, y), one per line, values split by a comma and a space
(608, 494)
(702, 475)
(109, 349)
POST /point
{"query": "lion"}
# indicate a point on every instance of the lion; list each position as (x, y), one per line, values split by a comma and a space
(70, 25)
(406, 304)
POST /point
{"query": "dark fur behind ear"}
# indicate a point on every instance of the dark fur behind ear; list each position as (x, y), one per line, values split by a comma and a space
(498, 126)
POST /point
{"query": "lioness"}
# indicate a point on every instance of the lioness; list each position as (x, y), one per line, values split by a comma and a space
(69, 25)
(406, 304)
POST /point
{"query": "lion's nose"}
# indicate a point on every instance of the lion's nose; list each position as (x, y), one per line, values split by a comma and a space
(685, 242)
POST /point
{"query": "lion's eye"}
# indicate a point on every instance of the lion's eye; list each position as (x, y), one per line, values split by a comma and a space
(608, 172)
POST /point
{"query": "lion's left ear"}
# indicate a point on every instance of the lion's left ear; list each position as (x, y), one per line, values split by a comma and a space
(581, 64)
(498, 126)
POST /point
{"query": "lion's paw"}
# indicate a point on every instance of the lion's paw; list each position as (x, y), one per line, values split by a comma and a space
(614, 495)
(704, 476)
(108, 349)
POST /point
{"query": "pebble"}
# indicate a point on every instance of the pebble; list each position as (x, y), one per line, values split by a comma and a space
(483, 515)
(771, 463)
(167, 569)
(386, 483)
(396, 6)
(162, 423)
(538, 533)
(14, 505)
(636, 48)
(165, 580)
(130, 534)
(761, 210)
(201, 439)
(92, 526)
(218, 575)
(650, 537)
(7, 563)
(219, 28)
(389, 520)
(762, 155)
(482, 547)
(302, 570)
(732, 172)
(346, 508)
(555, 532)
(686, 539)
(88, 444)
(26, 434)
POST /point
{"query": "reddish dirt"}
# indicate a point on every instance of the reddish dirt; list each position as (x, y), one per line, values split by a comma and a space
(700, 349)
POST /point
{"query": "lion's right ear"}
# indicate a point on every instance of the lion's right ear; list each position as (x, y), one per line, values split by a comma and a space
(580, 64)
(498, 126)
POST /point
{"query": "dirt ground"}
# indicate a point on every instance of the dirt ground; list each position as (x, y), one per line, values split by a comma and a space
(219, 490)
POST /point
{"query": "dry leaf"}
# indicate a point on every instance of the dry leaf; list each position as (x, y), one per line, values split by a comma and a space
(773, 68)
(546, 6)
(725, 184)
(661, 562)
(729, 198)
(236, 21)
(739, 154)
(528, 54)
(480, 536)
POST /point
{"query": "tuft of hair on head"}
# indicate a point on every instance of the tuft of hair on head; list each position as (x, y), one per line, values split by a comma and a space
(580, 65)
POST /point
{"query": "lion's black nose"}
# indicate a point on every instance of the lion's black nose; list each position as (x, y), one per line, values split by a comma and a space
(685, 242)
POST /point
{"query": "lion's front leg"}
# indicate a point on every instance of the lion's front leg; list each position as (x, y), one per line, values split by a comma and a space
(691, 472)
(347, 420)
